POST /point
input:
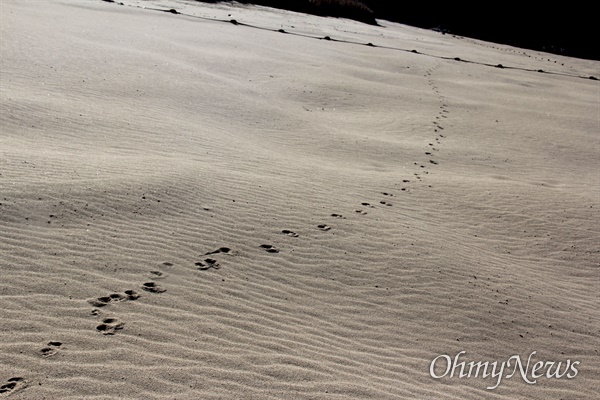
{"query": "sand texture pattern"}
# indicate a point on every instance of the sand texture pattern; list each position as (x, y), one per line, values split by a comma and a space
(199, 209)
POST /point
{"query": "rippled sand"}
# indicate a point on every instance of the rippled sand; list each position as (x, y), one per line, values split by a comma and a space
(196, 209)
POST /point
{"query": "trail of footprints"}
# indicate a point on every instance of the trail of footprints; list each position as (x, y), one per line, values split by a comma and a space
(438, 136)
(110, 325)
(424, 165)
(210, 263)
(429, 161)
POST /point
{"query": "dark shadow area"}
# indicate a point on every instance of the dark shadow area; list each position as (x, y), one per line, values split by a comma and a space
(566, 30)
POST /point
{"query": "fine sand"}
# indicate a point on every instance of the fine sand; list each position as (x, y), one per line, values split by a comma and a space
(196, 209)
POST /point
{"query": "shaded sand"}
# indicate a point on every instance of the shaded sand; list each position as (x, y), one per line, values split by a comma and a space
(193, 209)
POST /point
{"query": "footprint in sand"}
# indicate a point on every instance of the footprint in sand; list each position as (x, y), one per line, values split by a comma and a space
(51, 350)
(109, 326)
(207, 264)
(385, 203)
(433, 162)
(289, 233)
(367, 205)
(114, 297)
(338, 216)
(269, 248)
(387, 194)
(152, 287)
(219, 250)
(157, 275)
(324, 227)
(13, 385)
(100, 301)
(362, 212)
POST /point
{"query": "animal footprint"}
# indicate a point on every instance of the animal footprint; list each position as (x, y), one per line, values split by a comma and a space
(157, 274)
(367, 205)
(337, 215)
(387, 204)
(289, 233)
(387, 194)
(109, 326)
(103, 301)
(324, 227)
(153, 287)
(132, 295)
(51, 350)
(219, 250)
(269, 248)
(207, 264)
(13, 385)
(361, 212)
(100, 301)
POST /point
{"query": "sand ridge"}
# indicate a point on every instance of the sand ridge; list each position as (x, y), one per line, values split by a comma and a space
(194, 209)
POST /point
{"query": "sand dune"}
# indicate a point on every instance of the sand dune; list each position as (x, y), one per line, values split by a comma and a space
(196, 209)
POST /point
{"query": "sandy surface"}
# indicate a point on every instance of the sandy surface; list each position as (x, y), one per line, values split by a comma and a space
(430, 206)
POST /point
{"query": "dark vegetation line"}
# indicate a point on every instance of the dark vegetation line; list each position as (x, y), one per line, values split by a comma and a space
(235, 22)
(566, 30)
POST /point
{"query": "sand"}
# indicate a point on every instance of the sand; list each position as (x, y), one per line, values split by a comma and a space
(192, 209)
